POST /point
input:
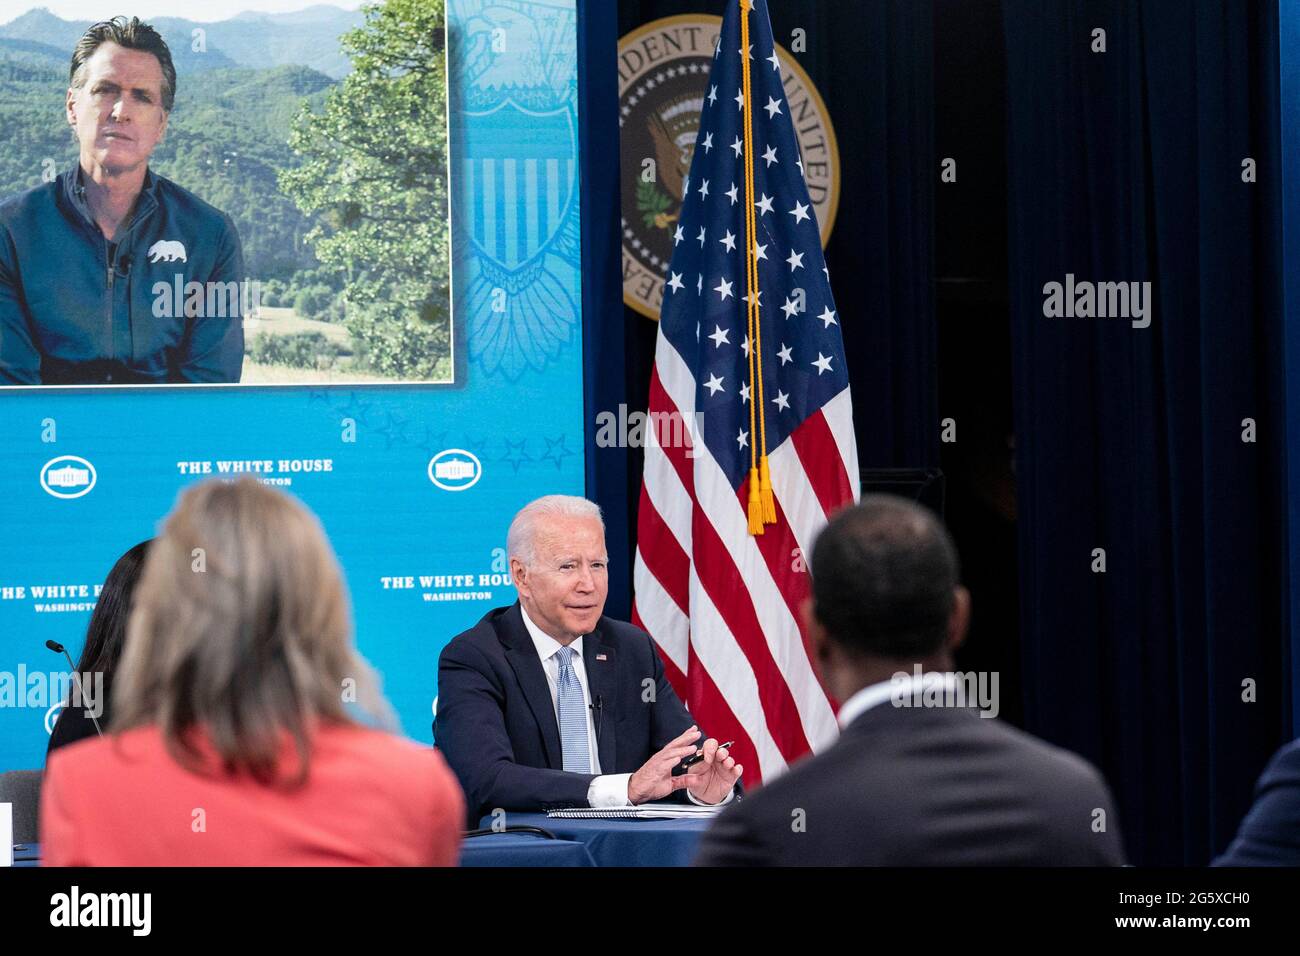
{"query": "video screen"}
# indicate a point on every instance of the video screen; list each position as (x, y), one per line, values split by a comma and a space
(237, 196)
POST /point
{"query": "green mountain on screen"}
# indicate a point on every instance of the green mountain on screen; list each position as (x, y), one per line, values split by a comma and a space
(251, 40)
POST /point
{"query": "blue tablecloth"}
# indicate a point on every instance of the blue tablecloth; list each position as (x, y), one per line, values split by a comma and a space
(623, 842)
(580, 843)
(27, 854)
(522, 849)
(493, 849)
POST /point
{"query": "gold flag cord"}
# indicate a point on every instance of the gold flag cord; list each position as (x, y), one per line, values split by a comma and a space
(762, 505)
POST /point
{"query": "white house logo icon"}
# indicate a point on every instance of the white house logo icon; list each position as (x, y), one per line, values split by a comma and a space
(455, 469)
(68, 476)
(52, 716)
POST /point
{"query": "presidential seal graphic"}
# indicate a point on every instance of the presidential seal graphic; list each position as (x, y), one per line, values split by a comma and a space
(663, 74)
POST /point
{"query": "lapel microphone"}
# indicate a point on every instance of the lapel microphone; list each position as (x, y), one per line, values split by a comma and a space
(599, 708)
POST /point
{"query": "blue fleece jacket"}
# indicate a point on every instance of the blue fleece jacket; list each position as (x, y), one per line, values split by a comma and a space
(76, 309)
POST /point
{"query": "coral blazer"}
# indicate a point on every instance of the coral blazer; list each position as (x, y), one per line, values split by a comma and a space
(370, 799)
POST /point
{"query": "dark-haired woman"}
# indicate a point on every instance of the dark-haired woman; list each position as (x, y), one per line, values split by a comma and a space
(101, 652)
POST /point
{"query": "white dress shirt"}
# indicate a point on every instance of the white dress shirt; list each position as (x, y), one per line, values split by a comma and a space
(873, 695)
(607, 790)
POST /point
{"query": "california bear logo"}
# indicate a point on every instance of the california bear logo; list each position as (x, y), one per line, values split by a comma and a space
(167, 250)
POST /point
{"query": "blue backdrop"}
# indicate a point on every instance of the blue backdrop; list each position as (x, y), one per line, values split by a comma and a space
(419, 558)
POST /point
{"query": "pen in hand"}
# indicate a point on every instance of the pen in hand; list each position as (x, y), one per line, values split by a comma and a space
(689, 762)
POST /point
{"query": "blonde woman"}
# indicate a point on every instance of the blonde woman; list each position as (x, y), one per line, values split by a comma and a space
(241, 714)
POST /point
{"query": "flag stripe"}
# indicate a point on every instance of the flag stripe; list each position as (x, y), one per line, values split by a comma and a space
(726, 586)
(667, 468)
(705, 702)
(674, 670)
(799, 500)
(716, 648)
(719, 573)
(725, 515)
(668, 622)
(664, 500)
(675, 455)
(717, 720)
(787, 557)
(816, 448)
(839, 418)
(787, 545)
(667, 474)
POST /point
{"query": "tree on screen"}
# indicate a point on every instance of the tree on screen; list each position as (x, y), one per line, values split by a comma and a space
(375, 168)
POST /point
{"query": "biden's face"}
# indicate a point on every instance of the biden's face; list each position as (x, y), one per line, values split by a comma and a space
(117, 111)
(564, 589)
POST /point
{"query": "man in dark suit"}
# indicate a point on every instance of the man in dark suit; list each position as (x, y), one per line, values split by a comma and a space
(549, 704)
(917, 778)
(1270, 833)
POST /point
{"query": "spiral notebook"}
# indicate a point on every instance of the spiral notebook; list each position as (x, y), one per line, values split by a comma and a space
(646, 811)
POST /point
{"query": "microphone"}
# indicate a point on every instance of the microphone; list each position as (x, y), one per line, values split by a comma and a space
(123, 266)
(58, 648)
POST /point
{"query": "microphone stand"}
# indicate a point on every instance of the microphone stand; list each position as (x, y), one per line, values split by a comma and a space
(60, 649)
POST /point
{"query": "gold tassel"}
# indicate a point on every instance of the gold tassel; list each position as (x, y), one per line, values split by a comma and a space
(765, 492)
(755, 504)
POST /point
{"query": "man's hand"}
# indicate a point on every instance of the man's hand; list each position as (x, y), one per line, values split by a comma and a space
(655, 778)
(710, 780)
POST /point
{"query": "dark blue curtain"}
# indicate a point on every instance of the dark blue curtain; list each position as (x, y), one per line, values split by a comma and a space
(1127, 166)
(874, 65)
(603, 340)
(1289, 173)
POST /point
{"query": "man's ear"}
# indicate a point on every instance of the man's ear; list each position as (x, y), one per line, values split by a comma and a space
(69, 107)
(959, 619)
(817, 636)
(519, 574)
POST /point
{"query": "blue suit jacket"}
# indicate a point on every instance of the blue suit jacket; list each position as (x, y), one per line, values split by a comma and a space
(496, 724)
(1270, 832)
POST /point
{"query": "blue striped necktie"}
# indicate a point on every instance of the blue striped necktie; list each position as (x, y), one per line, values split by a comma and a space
(572, 707)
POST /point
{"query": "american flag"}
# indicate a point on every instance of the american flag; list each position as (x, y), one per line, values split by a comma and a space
(722, 603)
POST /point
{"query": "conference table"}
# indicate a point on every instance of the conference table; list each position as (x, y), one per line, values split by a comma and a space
(27, 854)
(522, 849)
(493, 849)
(577, 843)
(627, 842)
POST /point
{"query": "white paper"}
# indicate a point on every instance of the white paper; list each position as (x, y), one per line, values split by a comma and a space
(6, 834)
(644, 811)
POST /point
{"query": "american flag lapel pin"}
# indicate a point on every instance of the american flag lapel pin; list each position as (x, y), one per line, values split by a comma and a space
(602, 657)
